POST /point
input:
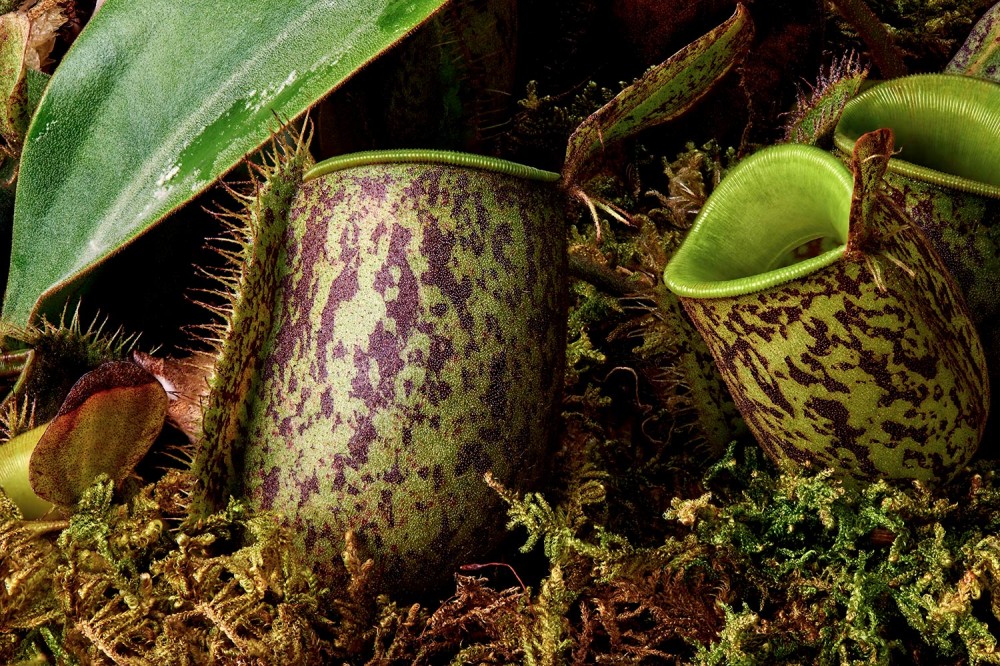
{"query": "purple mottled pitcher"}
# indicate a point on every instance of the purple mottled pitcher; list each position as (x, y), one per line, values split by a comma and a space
(419, 346)
(945, 176)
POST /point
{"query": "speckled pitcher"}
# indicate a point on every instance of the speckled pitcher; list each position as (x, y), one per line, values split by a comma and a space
(419, 345)
(843, 339)
(945, 176)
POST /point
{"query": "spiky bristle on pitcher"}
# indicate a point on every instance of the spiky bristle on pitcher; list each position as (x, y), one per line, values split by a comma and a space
(47, 358)
(247, 287)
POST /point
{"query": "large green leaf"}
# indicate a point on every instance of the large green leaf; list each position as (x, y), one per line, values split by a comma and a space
(156, 100)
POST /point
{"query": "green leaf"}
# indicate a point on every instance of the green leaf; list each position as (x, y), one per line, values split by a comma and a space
(105, 426)
(156, 100)
(15, 112)
(980, 54)
(664, 92)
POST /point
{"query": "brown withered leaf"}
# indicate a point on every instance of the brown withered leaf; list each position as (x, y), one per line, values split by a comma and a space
(47, 19)
(105, 426)
(186, 382)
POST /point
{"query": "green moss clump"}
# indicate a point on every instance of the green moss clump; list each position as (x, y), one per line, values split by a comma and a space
(137, 581)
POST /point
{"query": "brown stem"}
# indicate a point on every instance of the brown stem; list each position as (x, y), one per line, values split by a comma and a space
(875, 35)
(604, 278)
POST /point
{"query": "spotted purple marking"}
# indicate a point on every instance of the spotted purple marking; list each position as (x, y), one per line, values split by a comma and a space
(395, 475)
(472, 455)
(438, 391)
(496, 393)
(304, 255)
(442, 350)
(269, 488)
(385, 349)
(404, 309)
(374, 188)
(438, 246)
(502, 240)
(327, 403)
(308, 488)
(343, 290)
(386, 509)
(425, 189)
(361, 439)
(900, 431)
(834, 418)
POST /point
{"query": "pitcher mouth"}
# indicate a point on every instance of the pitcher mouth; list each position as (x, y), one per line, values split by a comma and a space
(429, 156)
(946, 126)
(748, 235)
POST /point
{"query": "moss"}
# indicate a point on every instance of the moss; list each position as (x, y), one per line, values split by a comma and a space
(544, 122)
(740, 563)
(136, 581)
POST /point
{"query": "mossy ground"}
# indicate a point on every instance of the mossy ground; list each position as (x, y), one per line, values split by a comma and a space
(663, 535)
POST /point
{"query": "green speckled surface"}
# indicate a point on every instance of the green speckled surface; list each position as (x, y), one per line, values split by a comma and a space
(870, 365)
(418, 344)
(944, 176)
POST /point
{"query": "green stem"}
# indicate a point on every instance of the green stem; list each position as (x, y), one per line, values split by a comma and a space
(875, 35)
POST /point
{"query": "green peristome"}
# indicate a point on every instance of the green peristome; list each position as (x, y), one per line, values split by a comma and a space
(863, 357)
(946, 176)
(417, 343)
(947, 129)
(14, 458)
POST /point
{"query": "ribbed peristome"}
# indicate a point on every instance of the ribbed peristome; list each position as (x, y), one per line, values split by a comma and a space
(774, 202)
(946, 127)
(430, 156)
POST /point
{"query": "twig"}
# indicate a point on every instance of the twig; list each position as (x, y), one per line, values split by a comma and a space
(874, 33)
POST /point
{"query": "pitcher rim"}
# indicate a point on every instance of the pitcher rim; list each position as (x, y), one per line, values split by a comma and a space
(431, 157)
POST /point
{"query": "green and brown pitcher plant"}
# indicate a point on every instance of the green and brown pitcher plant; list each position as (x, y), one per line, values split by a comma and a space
(944, 176)
(838, 329)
